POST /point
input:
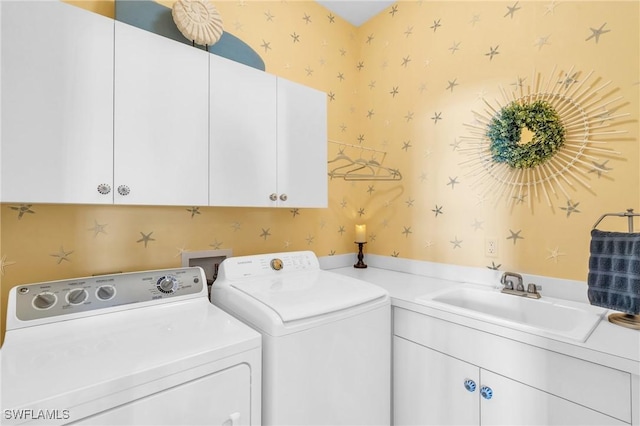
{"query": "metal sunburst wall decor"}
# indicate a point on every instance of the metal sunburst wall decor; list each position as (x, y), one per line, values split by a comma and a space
(542, 138)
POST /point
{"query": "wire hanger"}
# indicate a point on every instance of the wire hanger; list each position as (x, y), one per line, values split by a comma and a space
(361, 169)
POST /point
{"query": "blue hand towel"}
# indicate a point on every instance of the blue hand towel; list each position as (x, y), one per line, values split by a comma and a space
(614, 271)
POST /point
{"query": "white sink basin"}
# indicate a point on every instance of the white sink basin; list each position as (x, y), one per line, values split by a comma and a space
(546, 316)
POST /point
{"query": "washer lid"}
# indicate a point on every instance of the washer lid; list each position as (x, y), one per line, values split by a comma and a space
(308, 294)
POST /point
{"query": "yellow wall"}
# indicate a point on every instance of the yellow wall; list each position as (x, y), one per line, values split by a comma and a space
(397, 49)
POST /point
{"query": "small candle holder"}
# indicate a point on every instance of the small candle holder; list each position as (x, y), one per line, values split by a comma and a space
(360, 264)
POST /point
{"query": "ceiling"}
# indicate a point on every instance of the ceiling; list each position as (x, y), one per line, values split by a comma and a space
(357, 12)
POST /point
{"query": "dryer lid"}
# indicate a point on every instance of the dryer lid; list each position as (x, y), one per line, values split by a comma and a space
(297, 296)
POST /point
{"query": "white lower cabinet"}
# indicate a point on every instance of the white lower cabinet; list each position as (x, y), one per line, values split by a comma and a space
(446, 374)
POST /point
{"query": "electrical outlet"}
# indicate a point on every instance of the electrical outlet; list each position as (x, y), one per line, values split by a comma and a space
(491, 247)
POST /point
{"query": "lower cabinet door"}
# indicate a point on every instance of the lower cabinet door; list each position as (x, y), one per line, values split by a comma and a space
(222, 398)
(431, 388)
(507, 402)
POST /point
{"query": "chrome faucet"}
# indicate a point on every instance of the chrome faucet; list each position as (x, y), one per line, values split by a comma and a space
(507, 280)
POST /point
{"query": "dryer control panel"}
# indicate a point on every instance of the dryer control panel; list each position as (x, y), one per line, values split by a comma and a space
(82, 295)
(265, 265)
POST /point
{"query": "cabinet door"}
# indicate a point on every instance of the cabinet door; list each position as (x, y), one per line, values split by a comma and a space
(161, 120)
(429, 387)
(242, 135)
(57, 103)
(513, 403)
(302, 146)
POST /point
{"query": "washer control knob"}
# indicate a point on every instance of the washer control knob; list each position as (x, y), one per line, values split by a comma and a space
(276, 264)
(106, 292)
(167, 284)
(77, 296)
(44, 300)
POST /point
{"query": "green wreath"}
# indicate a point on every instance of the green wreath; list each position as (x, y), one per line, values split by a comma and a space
(505, 132)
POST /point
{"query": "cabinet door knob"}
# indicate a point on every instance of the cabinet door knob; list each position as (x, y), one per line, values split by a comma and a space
(104, 188)
(470, 385)
(486, 392)
(123, 190)
(283, 197)
(273, 197)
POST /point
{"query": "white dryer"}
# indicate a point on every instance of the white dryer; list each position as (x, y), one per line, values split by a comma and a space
(326, 338)
(127, 349)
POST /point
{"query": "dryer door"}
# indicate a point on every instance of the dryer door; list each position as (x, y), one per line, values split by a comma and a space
(221, 398)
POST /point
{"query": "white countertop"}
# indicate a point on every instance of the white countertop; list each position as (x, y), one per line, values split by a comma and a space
(609, 344)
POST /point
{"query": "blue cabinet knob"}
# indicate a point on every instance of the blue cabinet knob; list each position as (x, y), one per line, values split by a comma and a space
(470, 385)
(486, 392)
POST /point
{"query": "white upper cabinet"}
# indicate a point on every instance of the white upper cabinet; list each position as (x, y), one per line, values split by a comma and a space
(302, 146)
(242, 135)
(57, 104)
(160, 121)
(268, 139)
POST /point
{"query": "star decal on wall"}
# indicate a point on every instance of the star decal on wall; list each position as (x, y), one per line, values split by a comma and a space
(456, 144)
(306, 18)
(265, 233)
(340, 76)
(4, 263)
(492, 52)
(571, 208)
(331, 96)
(266, 45)
(551, 7)
(145, 238)
(453, 181)
(406, 145)
(341, 230)
(452, 84)
(494, 266)
(295, 212)
(295, 37)
(62, 254)
(331, 18)
(394, 10)
(428, 244)
(98, 228)
(269, 16)
(554, 254)
(474, 19)
(455, 47)
(410, 202)
(456, 242)
(395, 254)
(309, 239)
(515, 236)
(541, 41)
(405, 61)
(600, 168)
(360, 212)
(194, 211)
(216, 244)
(436, 25)
(22, 209)
(476, 224)
(437, 210)
(512, 10)
(236, 226)
(519, 199)
(394, 91)
(436, 117)
(371, 189)
(596, 33)
(369, 39)
(406, 231)
(343, 203)
(372, 237)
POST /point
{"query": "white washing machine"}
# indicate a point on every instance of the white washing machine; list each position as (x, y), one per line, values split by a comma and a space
(127, 349)
(326, 338)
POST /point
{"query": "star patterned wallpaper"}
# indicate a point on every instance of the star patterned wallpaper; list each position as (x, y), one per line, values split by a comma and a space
(402, 91)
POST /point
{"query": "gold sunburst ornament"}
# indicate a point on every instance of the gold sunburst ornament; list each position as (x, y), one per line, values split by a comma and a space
(542, 138)
(198, 21)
